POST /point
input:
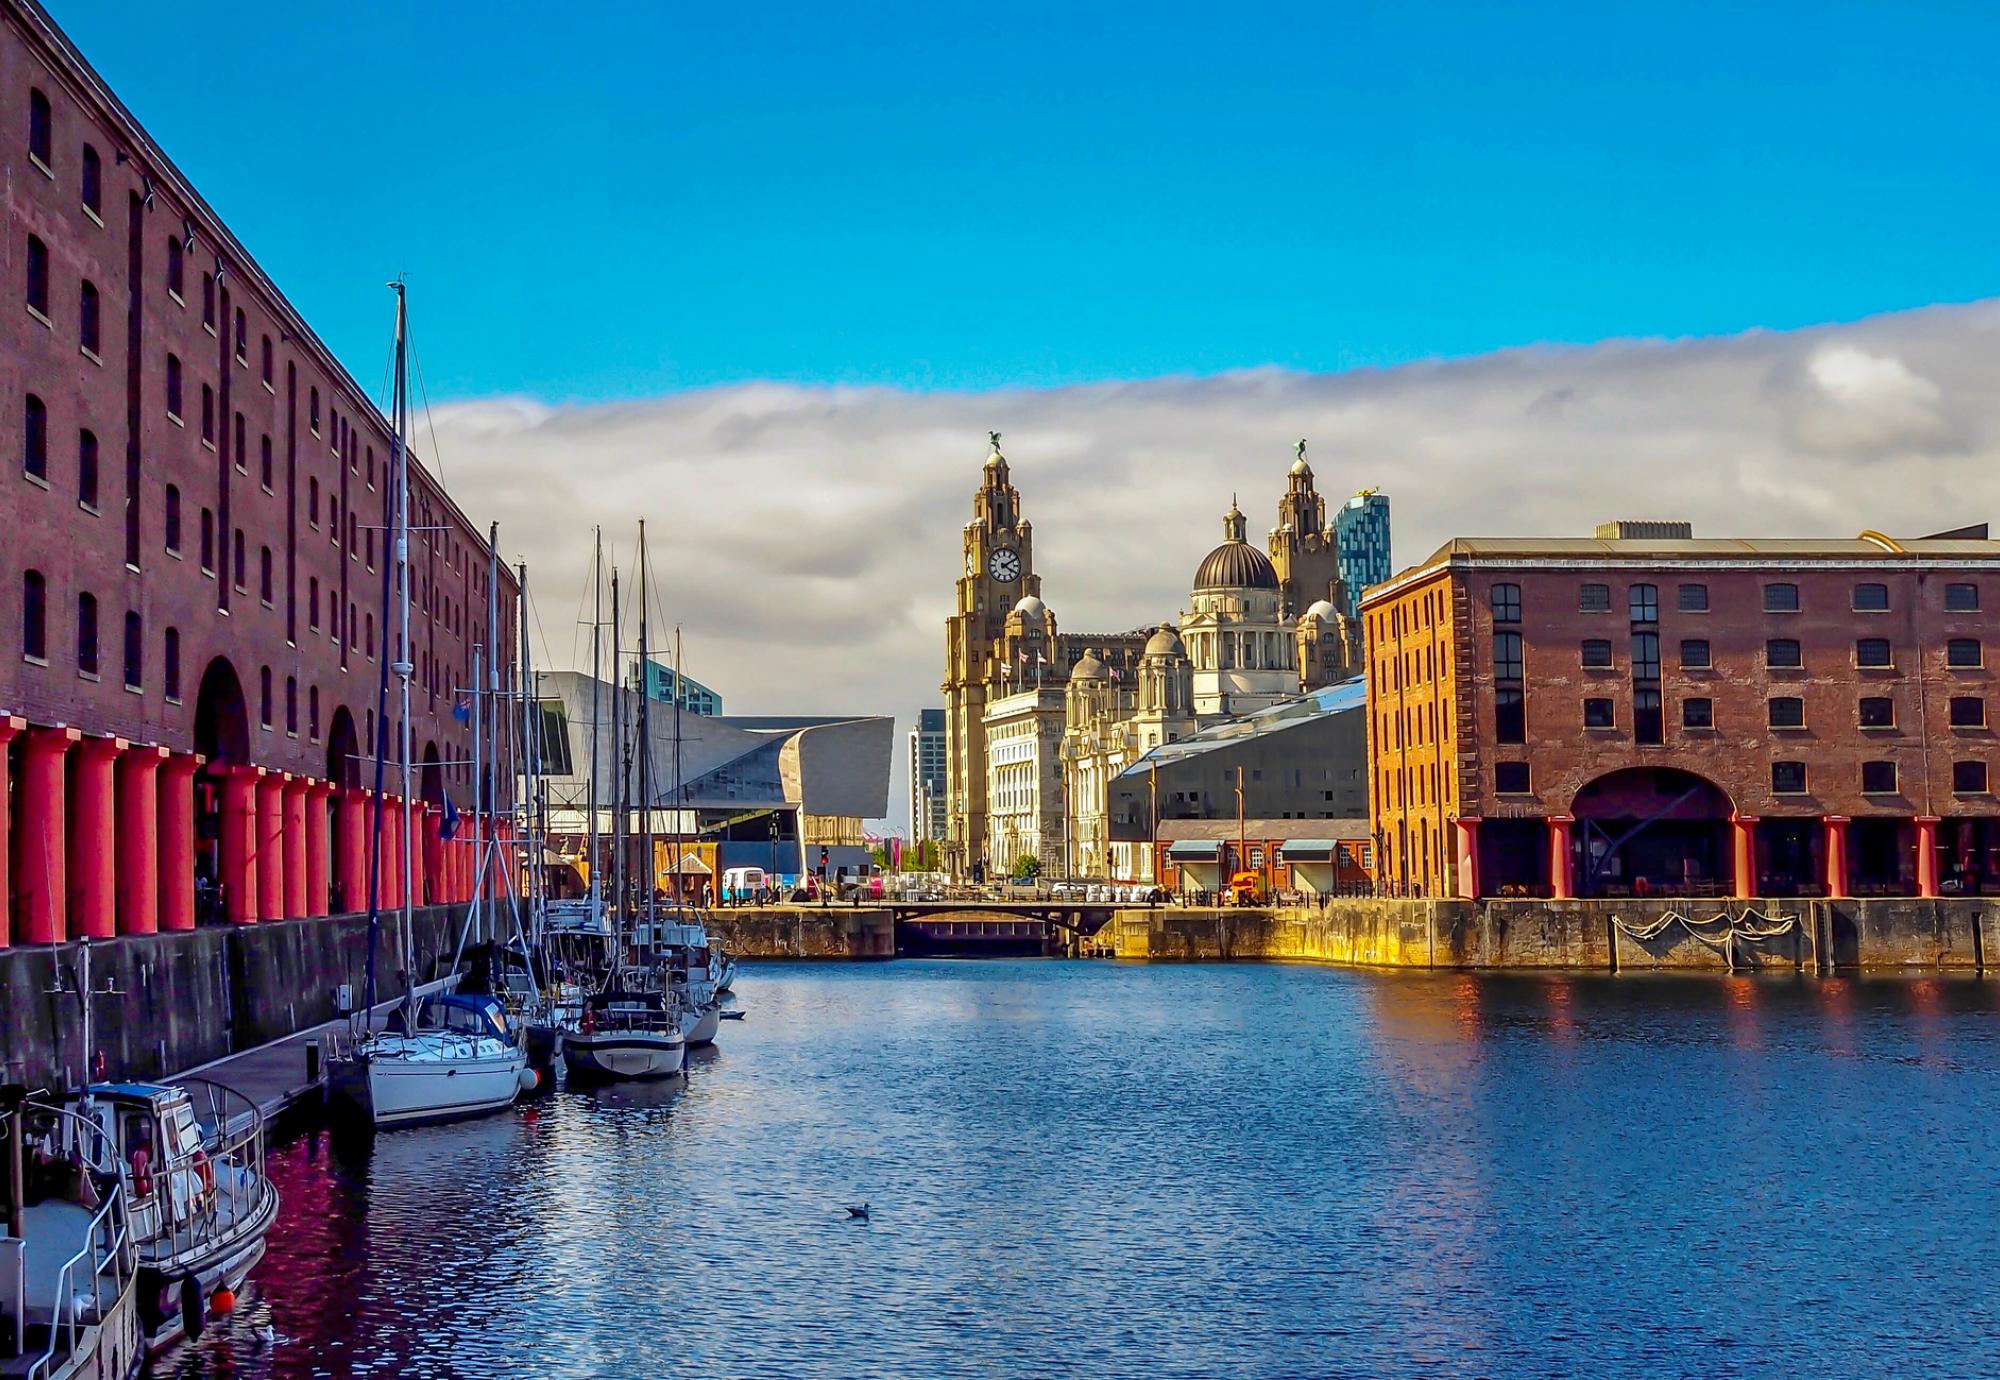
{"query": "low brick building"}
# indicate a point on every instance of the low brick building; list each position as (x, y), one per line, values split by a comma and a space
(1647, 712)
(194, 568)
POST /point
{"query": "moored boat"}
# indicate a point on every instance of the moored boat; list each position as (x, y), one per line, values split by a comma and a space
(625, 1035)
(457, 1060)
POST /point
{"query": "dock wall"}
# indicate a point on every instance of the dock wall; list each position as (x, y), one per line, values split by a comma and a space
(166, 1003)
(806, 932)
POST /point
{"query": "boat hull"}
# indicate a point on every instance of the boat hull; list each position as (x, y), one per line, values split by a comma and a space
(623, 1054)
(224, 1265)
(700, 1027)
(394, 1092)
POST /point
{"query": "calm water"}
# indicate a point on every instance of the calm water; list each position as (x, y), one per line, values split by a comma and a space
(1093, 1169)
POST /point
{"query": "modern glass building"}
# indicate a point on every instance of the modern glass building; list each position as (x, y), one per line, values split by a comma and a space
(696, 698)
(927, 798)
(1362, 526)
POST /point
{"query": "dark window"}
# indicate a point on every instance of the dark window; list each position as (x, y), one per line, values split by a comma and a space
(242, 464)
(1506, 603)
(172, 522)
(176, 267)
(312, 713)
(312, 603)
(135, 651)
(1694, 598)
(1788, 778)
(1598, 713)
(264, 697)
(1781, 598)
(208, 541)
(1694, 654)
(1506, 654)
(242, 338)
(1510, 778)
(1968, 711)
(1782, 653)
(264, 467)
(35, 430)
(312, 502)
(86, 468)
(208, 413)
(1596, 654)
(93, 180)
(1878, 711)
(1645, 656)
(1873, 653)
(264, 576)
(1968, 778)
(266, 366)
(1510, 717)
(315, 411)
(38, 275)
(90, 317)
(1647, 725)
(1788, 711)
(292, 705)
(41, 129)
(1645, 602)
(170, 665)
(1878, 778)
(173, 385)
(208, 301)
(86, 633)
(1698, 713)
(1871, 598)
(1594, 599)
(1962, 651)
(236, 562)
(1961, 598)
(34, 615)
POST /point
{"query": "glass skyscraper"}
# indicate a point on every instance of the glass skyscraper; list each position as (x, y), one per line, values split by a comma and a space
(1362, 525)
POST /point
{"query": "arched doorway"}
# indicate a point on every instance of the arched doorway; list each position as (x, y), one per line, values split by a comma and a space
(1651, 830)
(222, 738)
(343, 751)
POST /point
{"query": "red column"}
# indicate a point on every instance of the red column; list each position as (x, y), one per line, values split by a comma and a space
(392, 853)
(139, 840)
(271, 846)
(419, 853)
(176, 842)
(1927, 879)
(1836, 854)
(434, 856)
(93, 839)
(1561, 885)
(1468, 858)
(1743, 853)
(41, 878)
(295, 846)
(10, 728)
(319, 860)
(351, 819)
(239, 843)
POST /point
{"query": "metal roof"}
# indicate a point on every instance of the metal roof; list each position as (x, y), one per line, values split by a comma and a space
(1339, 698)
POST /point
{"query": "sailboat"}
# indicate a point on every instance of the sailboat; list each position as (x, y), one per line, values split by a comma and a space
(454, 1055)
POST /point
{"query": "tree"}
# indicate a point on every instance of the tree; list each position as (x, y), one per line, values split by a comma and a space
(1027, 867)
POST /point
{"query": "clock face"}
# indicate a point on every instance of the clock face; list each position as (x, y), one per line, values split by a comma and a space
(972, 562)
(1005, 566)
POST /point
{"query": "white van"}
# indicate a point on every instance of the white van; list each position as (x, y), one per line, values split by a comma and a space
(743, 883)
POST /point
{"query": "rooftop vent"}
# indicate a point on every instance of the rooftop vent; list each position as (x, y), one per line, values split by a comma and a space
(1631, 529)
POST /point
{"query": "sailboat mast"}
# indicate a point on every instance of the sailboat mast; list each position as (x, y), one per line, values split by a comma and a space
(400, 463)
(645, 733)
(618, 820)
(493, 764)
(680, 693)
(596, 685)
(531, 753)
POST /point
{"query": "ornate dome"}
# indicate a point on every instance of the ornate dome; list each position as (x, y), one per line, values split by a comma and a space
(1322, 610)
(1032, 608)
(1165, 642)
(1088, 668)
(1236, 565)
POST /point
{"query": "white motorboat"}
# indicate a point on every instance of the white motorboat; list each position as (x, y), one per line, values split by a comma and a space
(682, 947)
(458, 1060)
(69, 1270)
(625, 1036)
(725, 975)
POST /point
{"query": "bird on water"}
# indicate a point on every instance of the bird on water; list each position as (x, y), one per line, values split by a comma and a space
(857, 1212)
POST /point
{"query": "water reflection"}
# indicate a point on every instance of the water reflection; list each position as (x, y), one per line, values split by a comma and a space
(1187, 1171)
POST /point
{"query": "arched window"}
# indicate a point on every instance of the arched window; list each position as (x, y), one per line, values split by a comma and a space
(170, 665)
(314, 414)
(312, 603)
(242, 338)
(86, 634)
(208, 413)
(292, 705)
(176, 267)
(237, 563)
(207, 542)
(312, 713)
(38, 275)
(312, 502)
(34, 616)
(264, 575)
(267, 361)
(135, 651)
(264, 697)
(35, 432)
(90, 318)
(86, 468)
(172, 521)
(41, 129)
(264, 466)
(93, 181)
(174, 386)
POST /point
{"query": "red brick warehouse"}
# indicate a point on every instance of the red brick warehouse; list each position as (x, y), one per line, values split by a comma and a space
(1645, 712)
(194, 555)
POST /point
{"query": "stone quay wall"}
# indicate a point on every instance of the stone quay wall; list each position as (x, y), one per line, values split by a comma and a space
(805, 932)
(165, 1003)
(1958, 934)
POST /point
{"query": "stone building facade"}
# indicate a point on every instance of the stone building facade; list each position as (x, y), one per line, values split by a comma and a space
(1647, 713)
(191, 629)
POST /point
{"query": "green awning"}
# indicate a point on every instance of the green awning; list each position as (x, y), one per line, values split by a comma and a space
(1308, 850)
(1195, 850)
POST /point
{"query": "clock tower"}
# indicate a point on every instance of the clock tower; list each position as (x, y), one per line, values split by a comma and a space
(998, 572)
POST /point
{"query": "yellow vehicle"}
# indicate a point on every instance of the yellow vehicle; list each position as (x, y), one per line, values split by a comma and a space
(1245, 889)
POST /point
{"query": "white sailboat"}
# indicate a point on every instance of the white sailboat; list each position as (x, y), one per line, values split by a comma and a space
(452, 1056)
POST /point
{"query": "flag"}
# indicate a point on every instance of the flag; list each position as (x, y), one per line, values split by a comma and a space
(448, 827)
(1024, 656)
(461, 708)
(1114, 674)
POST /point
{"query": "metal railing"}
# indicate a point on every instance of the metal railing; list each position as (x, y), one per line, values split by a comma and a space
(107, 1248)
(224, 1187)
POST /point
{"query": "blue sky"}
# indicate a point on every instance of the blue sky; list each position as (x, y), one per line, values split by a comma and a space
(616, 201)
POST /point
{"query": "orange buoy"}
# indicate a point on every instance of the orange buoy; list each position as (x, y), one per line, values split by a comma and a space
(222, 1302)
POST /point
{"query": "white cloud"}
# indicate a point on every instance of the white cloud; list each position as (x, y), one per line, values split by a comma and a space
(807, 538)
